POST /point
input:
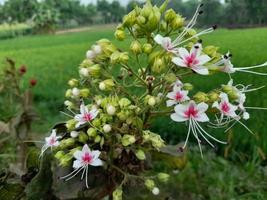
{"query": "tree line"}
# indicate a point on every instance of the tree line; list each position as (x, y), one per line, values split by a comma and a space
(232, 13)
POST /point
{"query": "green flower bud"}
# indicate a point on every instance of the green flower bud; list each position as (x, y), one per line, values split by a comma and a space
(127, 140)
(140, 154)
(233, 95)
(84, 93)
(153, 22)
(164, 6)
(70, 124)
(150, 184)
(69, 104)
(92, 132)
(119, 35)
(66, 143)
(86, 63)
(83, 138)
(68, 93)
(147, 9)
(188, 86)
(111, 110)
(163, 177)
(177, 23)
(123, 115)
(141, 20)
(95, 71)
(97, 122)
(201, 97)
(152, 101)
(102, 141)
(115, 57)
(124, 58)
(170, 78)
(158, 65)
(227, 89)
(117, 194)
(59, 155)
(211, 51)
(147, 48)
(124, 102)
(129, 20)
(73, 82)
(213, 96)
(98, 139)
(106, 85)
(65, 160)
(163, 26)
(170, 15)
(136, 47)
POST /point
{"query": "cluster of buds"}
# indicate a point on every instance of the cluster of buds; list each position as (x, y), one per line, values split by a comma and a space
(111, 106)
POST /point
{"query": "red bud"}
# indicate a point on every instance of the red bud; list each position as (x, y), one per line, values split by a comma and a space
(22, 69)
(33, 82)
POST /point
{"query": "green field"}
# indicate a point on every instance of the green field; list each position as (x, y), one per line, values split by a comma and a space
(53, 60)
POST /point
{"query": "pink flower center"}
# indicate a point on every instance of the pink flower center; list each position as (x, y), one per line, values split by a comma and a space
(191, 112)
(225, 107)
(179, 96)
(191, 60)
(88, 117)
(52, 141)
(87, 158)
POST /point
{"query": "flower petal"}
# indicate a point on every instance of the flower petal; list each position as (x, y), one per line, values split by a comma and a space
(170, 103)
(179, 62)
(202, 117)
(96, 153)
(78, 155)
(178, 118)
(158, 39)
(96, 162)
(203, 59)
(183, 53)
(202, 107)
(77, 164)
(201, 70)
(86, 149)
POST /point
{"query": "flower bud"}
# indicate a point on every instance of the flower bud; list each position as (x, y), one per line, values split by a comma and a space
(65, 160)
(117, 194)
(177, 23)
(158, 65)
(141, 20)
(73, 82)
(150, 184)
(83, 138)
(147, 48)
(188, 86)
(97, 49)
(163, 177)
(124, 102)
(136, 47)
(127, 140)
(68, 93)
(59, 155)
(106, 128)
(152, 101)
(66, 143)
(75, 92)
(106, 85)
(91, 132)
(74, 134)
(119, 35)
(69, 104)
(111, 110)
(90, 54)
(200, 97)
(115, 57)
(70, 124)
(163, 26)
(140, 154)
(227, 89)
(84, 72)
(213, 96)
(146, 10)
(84, 93)
(170, 78)
(155, 191)
(96, 122)
(170, 15)
(95, 71)
(129, 19)
(98, 139)
(211, 51)
(153, 22)
(86, 63)
(124, 58)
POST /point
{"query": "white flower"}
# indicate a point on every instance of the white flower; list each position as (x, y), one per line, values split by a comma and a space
(225, 107)
(193, 59)
(85, 115)
(166, 43)
(102, 86)
(171, 46)
(193, 113)
(226, 66)
(51, 141)
(155, 191)
(111, 110)
(177, 96)
(96, 49)
(84, 158)
(106, 128)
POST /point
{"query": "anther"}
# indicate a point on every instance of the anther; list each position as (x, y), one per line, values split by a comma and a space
(200, 12)
(214, 27)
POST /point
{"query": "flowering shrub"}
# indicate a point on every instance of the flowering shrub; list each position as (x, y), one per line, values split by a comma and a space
(120, 91)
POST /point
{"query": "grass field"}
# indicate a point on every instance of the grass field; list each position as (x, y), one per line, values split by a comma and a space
(53, 60)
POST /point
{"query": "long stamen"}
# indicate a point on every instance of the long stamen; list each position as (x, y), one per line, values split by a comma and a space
(86, 178)
(82, 174)
(189, 25)
(203, 135)
(66, 114)
(254, 67)
(254, 89)
(196, 136)
(251, 72)
(75, 174)
(210, 135)
(256, 108)
(245, 126)
(188, 133)
(64, 177)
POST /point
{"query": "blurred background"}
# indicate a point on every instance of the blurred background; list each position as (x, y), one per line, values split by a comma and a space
(50, 38)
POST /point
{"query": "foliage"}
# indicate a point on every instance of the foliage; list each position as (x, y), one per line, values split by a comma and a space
(14, 30)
